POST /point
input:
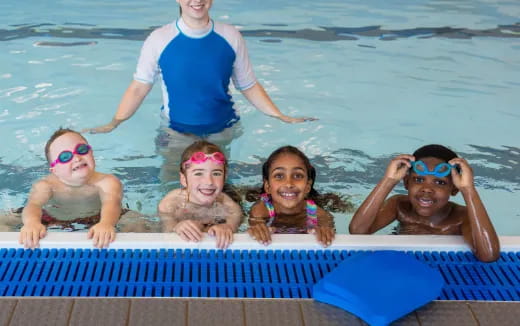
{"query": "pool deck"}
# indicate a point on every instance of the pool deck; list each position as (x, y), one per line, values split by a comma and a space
(250, 312)
(232, 311)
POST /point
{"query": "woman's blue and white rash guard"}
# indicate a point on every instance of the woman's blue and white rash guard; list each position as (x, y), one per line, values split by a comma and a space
(195, 68)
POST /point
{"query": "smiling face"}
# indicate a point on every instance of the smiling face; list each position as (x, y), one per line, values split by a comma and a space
(203, 181)
(80, 168)
(288, 183)
(195, 13)
(429, 194)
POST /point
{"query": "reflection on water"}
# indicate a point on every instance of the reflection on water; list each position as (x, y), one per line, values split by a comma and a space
(323, 33)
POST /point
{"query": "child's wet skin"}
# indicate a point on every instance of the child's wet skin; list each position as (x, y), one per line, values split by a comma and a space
(429, 194)
(288, 184)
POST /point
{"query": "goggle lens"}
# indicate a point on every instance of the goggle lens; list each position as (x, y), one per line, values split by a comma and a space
(65, 156)
(82, 149)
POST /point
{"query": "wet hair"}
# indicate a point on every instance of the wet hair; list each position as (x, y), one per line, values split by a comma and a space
(328, 201)
(199, 146)
(434, 150)
(58, 133)
(209, 148)
(290, 150)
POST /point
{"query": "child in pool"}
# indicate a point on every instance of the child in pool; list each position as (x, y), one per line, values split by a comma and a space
(286, 204)
(201, 205)
(431, 175)
(74, 192)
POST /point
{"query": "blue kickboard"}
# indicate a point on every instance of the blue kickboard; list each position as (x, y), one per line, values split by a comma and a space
(380, 287)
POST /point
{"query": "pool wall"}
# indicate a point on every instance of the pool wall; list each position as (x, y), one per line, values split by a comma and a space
(280, 241)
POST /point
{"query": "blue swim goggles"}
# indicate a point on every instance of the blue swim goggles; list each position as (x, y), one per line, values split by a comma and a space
(441, 170)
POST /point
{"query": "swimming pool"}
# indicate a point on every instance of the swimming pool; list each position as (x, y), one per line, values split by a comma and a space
(383, 77)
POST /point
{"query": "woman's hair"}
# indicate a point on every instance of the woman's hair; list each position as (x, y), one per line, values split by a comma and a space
(437, 151)
(58, 133)
(199, 146)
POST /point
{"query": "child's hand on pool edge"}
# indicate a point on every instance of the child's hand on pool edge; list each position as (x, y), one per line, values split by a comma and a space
(223, 233)
(189, 230)
(30, 235)
(324, 234)
(102, 234)
(261, 233)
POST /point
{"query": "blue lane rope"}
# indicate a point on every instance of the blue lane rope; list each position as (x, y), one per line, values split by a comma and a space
(229, 273)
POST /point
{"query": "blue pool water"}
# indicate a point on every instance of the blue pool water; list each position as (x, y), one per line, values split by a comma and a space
(383, 77)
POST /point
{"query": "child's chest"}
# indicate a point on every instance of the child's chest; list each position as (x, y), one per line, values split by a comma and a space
(410, 222)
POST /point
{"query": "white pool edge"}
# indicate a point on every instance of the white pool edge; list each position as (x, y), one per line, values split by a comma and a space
(75, 240)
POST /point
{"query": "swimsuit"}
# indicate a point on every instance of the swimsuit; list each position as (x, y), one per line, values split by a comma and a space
(76, 224)
(311, 222)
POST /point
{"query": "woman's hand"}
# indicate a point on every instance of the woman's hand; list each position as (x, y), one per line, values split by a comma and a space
(104, 128)
(288, 119)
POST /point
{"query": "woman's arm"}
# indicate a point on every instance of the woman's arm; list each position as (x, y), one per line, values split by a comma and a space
(261, 100)
(131, 101)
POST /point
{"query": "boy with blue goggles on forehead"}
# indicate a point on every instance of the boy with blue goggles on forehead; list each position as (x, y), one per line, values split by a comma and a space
(431, 175)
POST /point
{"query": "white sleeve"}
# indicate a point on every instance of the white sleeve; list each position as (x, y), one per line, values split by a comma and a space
(148, 63)
(243, 76)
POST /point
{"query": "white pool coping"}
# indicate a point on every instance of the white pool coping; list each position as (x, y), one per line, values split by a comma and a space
(76, 240)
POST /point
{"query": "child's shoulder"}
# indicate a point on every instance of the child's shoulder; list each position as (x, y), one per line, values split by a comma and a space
(175, 195)
(259, 209)
(105, 179)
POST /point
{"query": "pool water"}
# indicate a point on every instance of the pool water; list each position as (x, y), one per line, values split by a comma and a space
(383, 77)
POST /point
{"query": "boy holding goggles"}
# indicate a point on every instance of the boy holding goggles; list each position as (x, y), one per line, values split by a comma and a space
(74, 192)
(431, 175)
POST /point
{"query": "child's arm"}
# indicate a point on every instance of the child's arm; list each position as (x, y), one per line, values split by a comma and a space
(258, 230)
(168, 209)
(477, 229)
(324, 231)
(224, 232)
(110, 194)
(373, 215)
(33, 230)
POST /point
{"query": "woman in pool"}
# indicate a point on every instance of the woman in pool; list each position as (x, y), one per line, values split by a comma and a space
(201, 206)
(195, 58)
(431, 175)
(287, 204)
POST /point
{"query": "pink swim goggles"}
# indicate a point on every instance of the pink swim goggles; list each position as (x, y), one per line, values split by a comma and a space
(66, 156)
(200, 157)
